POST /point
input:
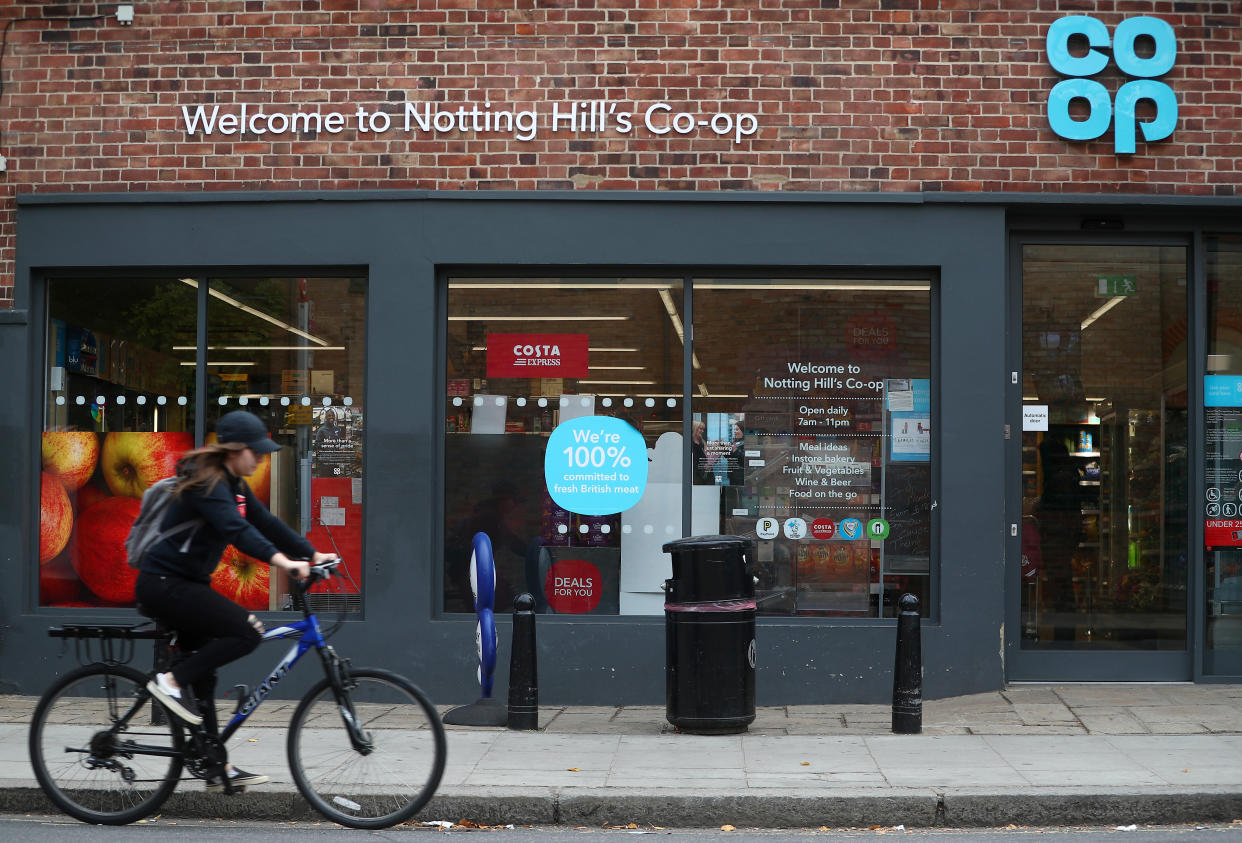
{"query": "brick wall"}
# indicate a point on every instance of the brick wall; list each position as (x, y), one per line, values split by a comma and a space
(918, 95)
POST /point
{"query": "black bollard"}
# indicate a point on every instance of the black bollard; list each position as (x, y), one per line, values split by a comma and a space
(908, 670)
(523, 670)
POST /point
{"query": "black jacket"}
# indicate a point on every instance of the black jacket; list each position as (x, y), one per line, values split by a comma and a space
(258, 533)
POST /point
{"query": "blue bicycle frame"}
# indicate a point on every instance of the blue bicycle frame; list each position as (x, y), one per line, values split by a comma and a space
(310, 636)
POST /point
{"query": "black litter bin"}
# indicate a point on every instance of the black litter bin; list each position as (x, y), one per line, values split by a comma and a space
(709, 621)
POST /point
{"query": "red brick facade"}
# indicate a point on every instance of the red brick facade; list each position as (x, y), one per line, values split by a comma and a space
(918, 95)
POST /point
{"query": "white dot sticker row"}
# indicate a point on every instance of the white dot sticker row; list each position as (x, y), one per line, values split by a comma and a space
(565, 401)
(181, 400)
(647, 529)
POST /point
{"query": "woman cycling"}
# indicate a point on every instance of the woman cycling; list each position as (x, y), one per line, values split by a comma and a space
(174, 582)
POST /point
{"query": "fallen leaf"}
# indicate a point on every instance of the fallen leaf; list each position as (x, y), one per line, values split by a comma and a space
(727, 828)
(806, 763)
(252, 740)
(1187, 770)
(632, 825)
(573, 769)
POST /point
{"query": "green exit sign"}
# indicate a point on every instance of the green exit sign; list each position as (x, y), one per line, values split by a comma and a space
(1116, 285)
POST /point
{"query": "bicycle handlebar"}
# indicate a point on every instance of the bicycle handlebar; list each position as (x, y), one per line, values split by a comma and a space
(316, 573)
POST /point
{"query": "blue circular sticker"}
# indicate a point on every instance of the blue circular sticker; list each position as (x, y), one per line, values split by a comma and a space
(595, 465)
(850, 529)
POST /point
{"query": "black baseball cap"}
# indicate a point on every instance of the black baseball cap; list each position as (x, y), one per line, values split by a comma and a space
(246, 428)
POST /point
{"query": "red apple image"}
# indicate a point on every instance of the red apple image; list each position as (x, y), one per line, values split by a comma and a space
(55, 517)
(261, 481)
(242, 579)
(132, 462)
(99, 555)
(89, 495)
(58, 582)
(70, 456)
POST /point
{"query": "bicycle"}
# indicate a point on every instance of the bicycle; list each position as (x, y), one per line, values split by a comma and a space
(106, 752)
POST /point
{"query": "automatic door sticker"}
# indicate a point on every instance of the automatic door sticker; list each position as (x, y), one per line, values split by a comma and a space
(851, 528)
(795, 528)
(768, 528)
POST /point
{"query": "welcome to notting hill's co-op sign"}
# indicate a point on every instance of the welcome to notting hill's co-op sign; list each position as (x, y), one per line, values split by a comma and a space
(428, 119)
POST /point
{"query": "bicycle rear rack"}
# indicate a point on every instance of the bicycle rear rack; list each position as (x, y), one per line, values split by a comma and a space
(107, 643)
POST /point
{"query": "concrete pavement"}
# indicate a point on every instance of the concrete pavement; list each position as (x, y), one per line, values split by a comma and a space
(1028, 755)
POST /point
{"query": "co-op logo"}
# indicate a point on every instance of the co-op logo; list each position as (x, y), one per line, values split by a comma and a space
(1142, 86)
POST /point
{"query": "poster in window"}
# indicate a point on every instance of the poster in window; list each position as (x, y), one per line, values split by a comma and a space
(336, 444)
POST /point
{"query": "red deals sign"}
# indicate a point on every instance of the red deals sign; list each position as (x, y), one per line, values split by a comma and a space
(823, 528)
(536, 355)
(1222, 532)
(573, 587)
(871, 334)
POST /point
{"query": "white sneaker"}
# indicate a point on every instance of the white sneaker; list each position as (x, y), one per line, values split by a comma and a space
(172, 699)
(238, 778)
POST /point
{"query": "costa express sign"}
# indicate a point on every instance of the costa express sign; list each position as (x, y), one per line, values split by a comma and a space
(536, 355)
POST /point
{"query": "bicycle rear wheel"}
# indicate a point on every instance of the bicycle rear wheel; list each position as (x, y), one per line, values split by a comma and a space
(384, 782)
(89, 742)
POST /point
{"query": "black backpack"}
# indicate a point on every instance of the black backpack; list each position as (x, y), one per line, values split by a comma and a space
(146, 533)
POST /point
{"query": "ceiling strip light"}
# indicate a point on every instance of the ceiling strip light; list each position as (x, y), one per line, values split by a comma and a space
(260, 314)
(1101, 310)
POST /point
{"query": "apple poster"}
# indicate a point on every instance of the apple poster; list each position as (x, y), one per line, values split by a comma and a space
(90, 492)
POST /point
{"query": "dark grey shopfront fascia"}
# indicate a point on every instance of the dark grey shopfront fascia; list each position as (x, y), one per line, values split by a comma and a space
(403, 244)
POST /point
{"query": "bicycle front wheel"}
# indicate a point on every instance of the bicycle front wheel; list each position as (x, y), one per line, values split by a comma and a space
(96, 749)
(383, 772)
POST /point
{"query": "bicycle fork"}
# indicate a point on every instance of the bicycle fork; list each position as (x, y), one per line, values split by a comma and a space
(342, 683)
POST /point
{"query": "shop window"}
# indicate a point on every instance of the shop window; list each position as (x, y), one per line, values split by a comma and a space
(1222, 447)
(119, 412)
(525, 358)
(810, 405)
(122, 406)
(812, 433)
(292, 351)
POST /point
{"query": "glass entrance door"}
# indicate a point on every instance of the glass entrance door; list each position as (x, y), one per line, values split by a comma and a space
(1103, 528)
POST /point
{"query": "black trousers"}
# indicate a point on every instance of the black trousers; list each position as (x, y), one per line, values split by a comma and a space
(211, 628)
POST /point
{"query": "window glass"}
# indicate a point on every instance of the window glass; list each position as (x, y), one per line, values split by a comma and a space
(119, 412)
(292, 351)
(525, 358)
(1222, 448)
(812, 434)
(1104, 447)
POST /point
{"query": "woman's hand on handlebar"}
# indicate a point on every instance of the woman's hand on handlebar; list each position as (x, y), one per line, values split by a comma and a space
(320, 558)
(297, 568)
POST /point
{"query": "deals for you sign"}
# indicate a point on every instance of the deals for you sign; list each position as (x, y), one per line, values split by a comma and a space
(595, 465)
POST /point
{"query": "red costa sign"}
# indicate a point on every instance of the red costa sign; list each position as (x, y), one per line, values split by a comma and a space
(573, 587)
(536, 355)
(823, 528)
